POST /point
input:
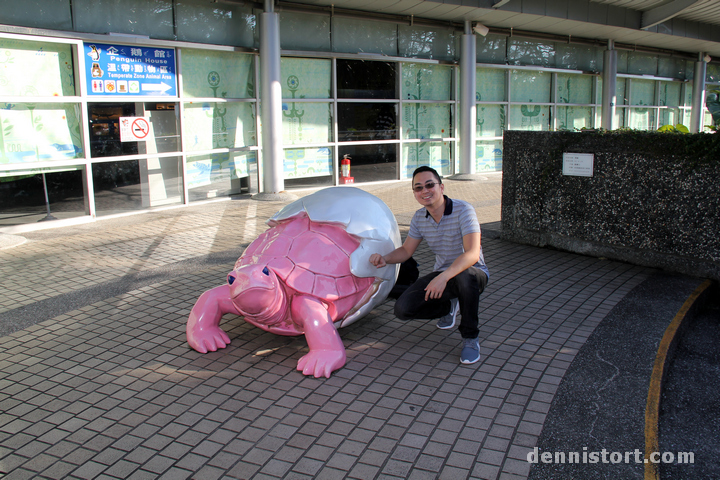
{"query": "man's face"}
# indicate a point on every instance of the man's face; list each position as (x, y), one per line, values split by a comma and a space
(424, 193)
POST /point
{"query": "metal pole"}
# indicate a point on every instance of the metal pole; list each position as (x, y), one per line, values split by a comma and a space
(698, 95)
(271, 98)
(609, 95)
(468, 110)
(47, 201)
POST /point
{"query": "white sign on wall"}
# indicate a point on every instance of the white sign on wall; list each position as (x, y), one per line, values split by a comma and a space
(134, 129)
(578, 164)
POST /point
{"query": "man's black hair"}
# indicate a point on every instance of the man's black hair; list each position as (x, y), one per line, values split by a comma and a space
(425, 168)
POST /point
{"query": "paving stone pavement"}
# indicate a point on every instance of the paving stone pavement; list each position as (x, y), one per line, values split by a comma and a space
(97, 379)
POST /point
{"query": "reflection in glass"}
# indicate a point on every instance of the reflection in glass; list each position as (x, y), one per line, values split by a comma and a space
(366, 79)
(23, 197)
(434, 154)
(136, 184)
(221, 174)
(219, 125)
(366, 121)
(371, 163)
(642, 118)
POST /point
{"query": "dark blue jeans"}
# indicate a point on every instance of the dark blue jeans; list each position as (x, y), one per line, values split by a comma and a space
(466, 287)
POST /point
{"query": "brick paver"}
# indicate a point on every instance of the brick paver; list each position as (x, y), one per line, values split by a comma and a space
(108, 388)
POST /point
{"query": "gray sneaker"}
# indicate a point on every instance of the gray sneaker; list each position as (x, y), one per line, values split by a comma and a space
(448, 321)
(471, 351)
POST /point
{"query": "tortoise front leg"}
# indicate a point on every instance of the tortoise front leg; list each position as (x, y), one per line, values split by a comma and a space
(327, 352)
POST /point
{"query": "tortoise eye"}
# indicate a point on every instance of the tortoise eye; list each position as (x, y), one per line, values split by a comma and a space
(231, 279)
(266, 271)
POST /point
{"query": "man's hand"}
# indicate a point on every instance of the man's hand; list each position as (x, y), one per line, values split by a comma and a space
(436, 287)
(377, 260)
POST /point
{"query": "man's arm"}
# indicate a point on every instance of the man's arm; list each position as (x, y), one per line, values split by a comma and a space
(399, 255)
(471, 245)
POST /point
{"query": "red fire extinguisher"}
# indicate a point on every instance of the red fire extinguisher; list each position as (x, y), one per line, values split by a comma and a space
(345, 171)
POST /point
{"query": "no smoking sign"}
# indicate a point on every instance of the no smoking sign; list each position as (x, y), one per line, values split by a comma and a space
(133, 129)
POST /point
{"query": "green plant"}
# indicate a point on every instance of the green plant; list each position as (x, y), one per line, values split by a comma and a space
(679, 128)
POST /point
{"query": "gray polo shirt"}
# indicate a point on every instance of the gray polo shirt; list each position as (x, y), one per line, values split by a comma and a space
(445, 239)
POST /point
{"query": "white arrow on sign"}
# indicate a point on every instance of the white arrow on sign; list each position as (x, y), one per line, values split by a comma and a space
(156, 87)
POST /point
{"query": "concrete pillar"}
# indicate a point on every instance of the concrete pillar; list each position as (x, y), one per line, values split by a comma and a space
(271, 99)
(609, 87)
(698, 94)
(468, 110)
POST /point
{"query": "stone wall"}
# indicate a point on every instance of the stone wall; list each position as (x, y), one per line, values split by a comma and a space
(653, 198)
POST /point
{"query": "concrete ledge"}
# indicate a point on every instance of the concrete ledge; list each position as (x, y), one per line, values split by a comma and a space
(275, 197)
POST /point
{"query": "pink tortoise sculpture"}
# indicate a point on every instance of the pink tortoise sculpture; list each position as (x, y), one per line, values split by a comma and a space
(308, 274)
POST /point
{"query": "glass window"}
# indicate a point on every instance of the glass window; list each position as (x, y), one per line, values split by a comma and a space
(37, 195)
(488, 156)
(219, 125)
(642, 92)
(105, 128)
(530, 86)
(490, 120)
(491, 85)
(529, 117)
(670, 93)
(426, 82)
(574, 88)
(221, 174)
(366, 79)
(351, 35)
(434, 154)
(132, 185)
(306, 78)
(641, 118)
(422, 42)
(712, 73)
(574, 118)
(31, 69)
(367, 121)
(217, 74)
(31, 132)
(371, 163)
(135, 17)
(306, 123)
(427, 120)
(307, 162)
(620, 91)
(220, 23)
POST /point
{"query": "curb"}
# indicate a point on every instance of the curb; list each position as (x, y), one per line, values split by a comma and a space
(657, 378)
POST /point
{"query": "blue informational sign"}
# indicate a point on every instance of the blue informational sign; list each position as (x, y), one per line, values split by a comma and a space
(126, 70)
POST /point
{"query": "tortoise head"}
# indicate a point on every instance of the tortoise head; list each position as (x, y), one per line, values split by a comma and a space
(257, 293)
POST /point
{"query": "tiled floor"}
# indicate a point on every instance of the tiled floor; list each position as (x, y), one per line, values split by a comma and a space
(108, 388)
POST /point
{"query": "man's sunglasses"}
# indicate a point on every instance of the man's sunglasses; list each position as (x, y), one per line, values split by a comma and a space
(429, 186)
